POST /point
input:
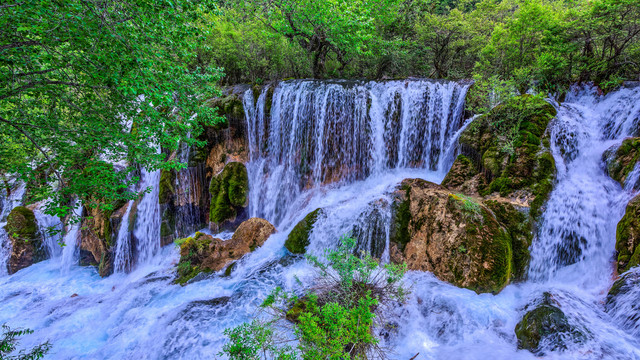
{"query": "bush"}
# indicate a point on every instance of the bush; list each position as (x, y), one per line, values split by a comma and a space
(334, 319)
(9, 344)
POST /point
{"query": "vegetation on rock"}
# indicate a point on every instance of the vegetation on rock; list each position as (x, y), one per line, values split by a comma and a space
(453, 236)
(228, 191)
(628, 237)
(545, 328)
(621, 161)
(26, 240)
(204, 253)
(336, 320)
(298, 238)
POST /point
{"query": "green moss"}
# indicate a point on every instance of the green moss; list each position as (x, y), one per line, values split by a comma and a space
(402, 217)
(298, 238)
(228, 191)
(520, 231)
(548, 323)
(21, 224)
(167, 181)
(628, 237)
(623, 160)
(498, 251)
(192, 251)
(296, 310)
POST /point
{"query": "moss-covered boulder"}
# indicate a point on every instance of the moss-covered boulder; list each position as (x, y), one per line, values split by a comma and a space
(204, 253)
(298, 238)
(506, 152)
(229, 191)
(622, 160)
(628, 237)
(26, 241)
(545, 328)
(454, 236)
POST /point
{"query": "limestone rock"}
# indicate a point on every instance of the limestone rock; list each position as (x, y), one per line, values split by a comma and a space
(451, 235)
(204, 253)
(26, 240)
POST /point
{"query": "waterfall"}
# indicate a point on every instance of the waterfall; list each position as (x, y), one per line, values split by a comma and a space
(147, 220)
(633, 179)
(71, 250)
(123, 257)
(51, 228)
(338, 132)
(576, 236)
(9, 199)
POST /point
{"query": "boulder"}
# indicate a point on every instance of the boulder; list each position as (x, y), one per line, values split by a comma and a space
(506, 152)
(298, 238)
(98, 235)
(622, 302)
(621, 160)
(26, 241)
(229, 191)
(628, 237)
(204, 253)
(454, 236)
(545, 328)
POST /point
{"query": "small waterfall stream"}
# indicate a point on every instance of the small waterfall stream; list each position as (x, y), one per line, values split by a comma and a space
(343, 146)
(9, 199)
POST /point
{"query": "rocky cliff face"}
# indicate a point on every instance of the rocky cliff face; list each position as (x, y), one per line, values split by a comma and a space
(628, 237)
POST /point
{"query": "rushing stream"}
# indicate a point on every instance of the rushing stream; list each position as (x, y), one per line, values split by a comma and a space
(344, 147)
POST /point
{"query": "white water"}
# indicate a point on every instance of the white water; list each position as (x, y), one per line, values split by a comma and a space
(124, 257)
(147, 227)
(141, 315)
(51, 229)
(71, 249)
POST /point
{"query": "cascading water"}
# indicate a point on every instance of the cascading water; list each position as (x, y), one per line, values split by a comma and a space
(71, 249)
(51, 229)
(338, 132)
(147, 226)
(350, 176)
(124, 257)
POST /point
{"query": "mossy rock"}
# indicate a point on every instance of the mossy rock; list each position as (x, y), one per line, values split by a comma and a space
(520, 230)
(505, 147)
(545, 328)
(193, 250)
(229, 192)
(167, 186)
(298, 238)
(230, 107)
(628, 237)
(621, 161)
(27, 248)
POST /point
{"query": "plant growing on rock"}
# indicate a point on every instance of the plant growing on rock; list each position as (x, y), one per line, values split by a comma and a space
(334, 319)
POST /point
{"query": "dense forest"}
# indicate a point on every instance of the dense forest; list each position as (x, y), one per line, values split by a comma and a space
(319, 179)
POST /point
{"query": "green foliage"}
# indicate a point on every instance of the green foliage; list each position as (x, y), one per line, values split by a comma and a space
(335, 320)
(9, 345)
(98, 81)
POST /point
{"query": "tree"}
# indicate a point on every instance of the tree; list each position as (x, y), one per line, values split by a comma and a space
(337, 30)
(87, 83)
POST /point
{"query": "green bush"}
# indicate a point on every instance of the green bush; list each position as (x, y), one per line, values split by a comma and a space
(9, 345)
(334, 320)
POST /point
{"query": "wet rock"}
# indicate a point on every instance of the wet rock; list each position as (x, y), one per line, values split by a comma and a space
(371, 228)
(451, 235)
(298, 239)
(204, 253)
(622, 302)
(98, 236)
(26, 240)
(228, 191)
(545, 328)
(620, 161)
(506, 152)
(628, 237)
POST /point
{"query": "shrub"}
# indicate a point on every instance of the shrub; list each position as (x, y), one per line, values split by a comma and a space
(9, 344)
(334, 319)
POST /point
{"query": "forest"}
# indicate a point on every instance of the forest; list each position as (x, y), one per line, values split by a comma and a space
(319, 179)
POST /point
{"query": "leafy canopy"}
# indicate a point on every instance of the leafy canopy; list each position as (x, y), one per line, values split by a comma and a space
(87, 84)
